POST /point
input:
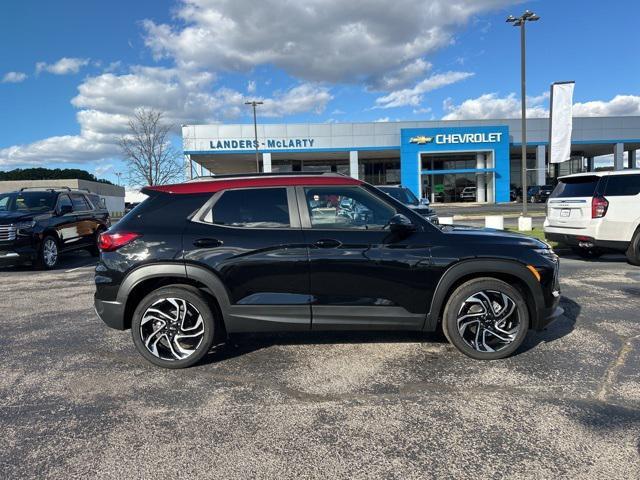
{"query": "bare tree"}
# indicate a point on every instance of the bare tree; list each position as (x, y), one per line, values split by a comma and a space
(146, 148)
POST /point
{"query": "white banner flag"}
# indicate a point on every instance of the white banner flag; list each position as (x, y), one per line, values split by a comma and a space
(561, 122)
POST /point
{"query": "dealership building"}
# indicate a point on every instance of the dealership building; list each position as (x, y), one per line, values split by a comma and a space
(435, 159)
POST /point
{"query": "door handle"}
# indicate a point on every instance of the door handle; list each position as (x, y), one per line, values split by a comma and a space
(327, 243)
(208, 243)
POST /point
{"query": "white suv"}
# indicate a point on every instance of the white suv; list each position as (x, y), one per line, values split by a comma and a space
(596, 212)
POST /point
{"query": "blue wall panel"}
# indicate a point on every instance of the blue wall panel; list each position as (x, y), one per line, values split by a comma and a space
(415, 141)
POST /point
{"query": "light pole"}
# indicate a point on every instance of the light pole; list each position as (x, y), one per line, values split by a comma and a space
(117, 174)
(520, 21)
(253, 103)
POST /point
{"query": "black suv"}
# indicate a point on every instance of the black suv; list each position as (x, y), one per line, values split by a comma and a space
(197, 261)
(539, 194)
(406, 196)
(37, 224)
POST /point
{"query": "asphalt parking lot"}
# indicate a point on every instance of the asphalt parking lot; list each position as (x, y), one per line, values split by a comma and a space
(77, 401)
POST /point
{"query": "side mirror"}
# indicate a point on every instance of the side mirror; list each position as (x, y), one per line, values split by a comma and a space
(399, 223)
(64, 209)
(424, 201)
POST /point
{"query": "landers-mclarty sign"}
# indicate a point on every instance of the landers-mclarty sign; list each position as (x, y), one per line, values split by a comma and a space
(269, 143)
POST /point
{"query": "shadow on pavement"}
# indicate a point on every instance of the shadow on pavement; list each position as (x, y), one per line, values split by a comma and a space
(559, 328)
(242, 344)
(67, 261)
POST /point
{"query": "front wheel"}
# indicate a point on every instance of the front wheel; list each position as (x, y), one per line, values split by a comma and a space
(486, 319)
(173, 327)
(48, 253)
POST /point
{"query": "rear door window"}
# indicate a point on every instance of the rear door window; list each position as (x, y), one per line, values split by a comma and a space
(576, 187)
(251, 208)
(622, 185)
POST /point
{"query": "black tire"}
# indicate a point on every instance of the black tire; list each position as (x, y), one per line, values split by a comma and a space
(588, 253)
(194, 298)
(93, 249)
(633, 252)
(44, 259)
(459, 300)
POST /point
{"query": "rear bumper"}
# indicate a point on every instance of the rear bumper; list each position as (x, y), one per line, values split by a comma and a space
(111, 313)
(576, 240)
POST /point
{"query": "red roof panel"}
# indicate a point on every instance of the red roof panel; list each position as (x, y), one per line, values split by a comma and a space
(214, 186)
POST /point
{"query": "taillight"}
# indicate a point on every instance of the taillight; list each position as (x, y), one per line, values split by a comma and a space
(599, 207)
(110, 242)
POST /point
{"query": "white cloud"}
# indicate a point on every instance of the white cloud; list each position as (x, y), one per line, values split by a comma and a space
(14, 77)
(302, 98)
(382, 120)
(620, 105)
(251, 86)
(102, 169)
(413, 96)
(490, 105)
(64, 66)
(107, 101)
(402, 77)
(316, 40)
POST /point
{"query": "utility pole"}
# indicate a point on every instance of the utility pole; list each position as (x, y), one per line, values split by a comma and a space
(254, 104)
(527, 16)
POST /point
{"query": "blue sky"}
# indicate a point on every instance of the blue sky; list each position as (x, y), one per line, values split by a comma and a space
(71, 72)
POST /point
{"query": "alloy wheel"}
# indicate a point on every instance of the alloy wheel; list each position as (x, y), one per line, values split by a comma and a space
(50, 252)
(172, 329)
(488, 321)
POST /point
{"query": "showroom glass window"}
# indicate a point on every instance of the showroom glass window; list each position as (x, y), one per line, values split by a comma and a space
(346, 208)
(251, 208)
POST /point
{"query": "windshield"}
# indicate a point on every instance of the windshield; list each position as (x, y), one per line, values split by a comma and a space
(576, 187)
(403, 195)
(27, 202)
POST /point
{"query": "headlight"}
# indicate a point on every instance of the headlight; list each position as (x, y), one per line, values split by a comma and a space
(547, 252)
(27, 225)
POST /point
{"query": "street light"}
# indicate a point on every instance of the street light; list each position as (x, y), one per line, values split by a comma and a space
(118, 174)
(253, 103)
(527, 16)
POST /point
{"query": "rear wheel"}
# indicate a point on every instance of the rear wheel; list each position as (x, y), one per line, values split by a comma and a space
(486, 319)
(173, 327)
(587, 252)
(633, 252)
(93, 249)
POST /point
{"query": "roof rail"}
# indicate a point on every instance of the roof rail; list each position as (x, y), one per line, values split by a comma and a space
(203, 178)
(51, 189)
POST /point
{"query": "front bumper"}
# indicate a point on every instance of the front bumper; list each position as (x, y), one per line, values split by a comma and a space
(111, 313)
(16, 256)
(550, 314)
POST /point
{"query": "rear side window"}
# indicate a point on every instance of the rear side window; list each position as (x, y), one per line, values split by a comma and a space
(79, 203)
(252, 208)
(576, 187)
(96, 201)
(623, 185)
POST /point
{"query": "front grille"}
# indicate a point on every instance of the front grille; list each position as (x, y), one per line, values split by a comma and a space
(7, 233)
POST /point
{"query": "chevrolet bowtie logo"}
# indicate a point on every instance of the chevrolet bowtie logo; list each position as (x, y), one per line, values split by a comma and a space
(421, 140)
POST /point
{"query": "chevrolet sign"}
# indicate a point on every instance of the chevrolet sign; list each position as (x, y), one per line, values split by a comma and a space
(455, 138)
(421, 140)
